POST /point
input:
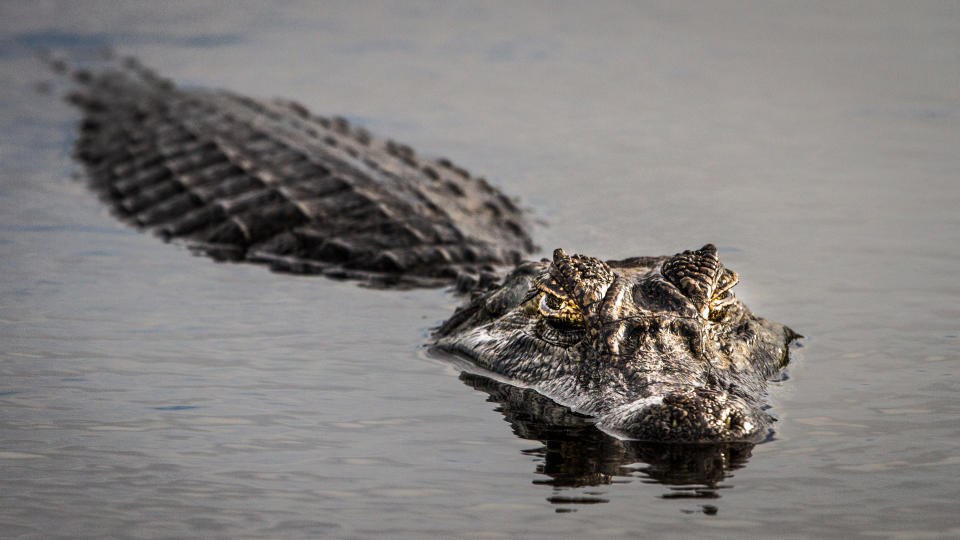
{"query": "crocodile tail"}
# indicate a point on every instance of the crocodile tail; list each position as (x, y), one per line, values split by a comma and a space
(267, 181)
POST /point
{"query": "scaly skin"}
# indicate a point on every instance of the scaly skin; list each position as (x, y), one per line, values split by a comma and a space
(267, 181)
(656, 349)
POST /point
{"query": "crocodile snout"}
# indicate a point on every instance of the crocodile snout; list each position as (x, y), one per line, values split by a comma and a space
(695, 416)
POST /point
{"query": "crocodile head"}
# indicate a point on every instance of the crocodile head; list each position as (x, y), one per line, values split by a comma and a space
(654, 348)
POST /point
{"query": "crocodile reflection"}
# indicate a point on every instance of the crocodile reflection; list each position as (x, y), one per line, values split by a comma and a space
(577, 454)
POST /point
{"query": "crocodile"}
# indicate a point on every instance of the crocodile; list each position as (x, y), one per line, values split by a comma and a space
(654, 348)
(650, 348)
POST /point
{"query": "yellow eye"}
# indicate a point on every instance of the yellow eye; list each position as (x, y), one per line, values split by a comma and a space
(554, 308)
(550, 303)
(556, 319)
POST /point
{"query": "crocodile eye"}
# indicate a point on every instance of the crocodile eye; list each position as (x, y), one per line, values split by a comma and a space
(559, 311)
(558, 321)
(550, 303)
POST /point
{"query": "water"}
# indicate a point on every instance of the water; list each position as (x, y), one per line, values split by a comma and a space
(145, 392)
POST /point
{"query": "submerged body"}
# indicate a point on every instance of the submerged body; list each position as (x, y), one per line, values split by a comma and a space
(655, 348)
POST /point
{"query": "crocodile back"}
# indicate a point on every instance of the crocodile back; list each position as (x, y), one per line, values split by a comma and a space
(268, 181)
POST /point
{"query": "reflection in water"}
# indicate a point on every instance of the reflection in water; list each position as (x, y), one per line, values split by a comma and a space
(577, 454)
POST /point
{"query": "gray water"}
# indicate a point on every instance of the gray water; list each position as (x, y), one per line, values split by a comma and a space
(145, 392)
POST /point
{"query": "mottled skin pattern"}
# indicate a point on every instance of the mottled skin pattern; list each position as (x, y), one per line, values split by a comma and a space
(653, 348)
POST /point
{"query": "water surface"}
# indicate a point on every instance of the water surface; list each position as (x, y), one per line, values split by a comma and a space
(145, 392)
